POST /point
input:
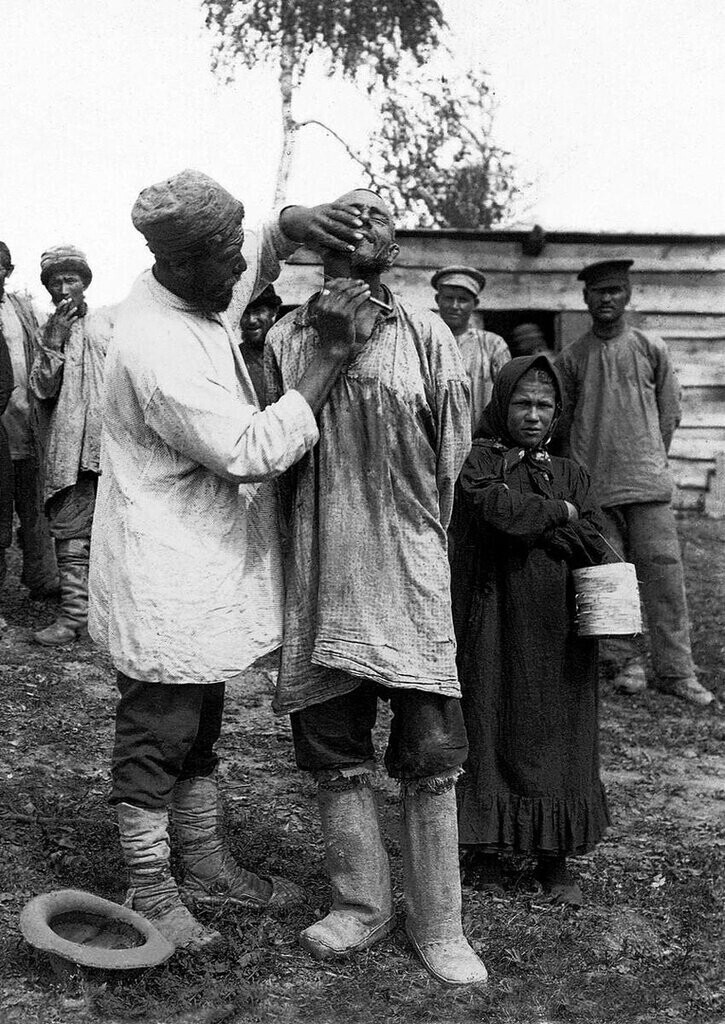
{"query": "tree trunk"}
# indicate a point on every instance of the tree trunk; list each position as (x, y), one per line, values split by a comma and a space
(289, 128)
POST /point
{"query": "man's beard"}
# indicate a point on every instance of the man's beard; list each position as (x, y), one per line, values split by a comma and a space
(372, 263)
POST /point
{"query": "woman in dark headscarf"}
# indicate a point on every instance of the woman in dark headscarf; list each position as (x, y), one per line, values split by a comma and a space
(530, 700)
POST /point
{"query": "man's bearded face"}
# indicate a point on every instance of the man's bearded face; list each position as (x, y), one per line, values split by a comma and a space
(377, 249)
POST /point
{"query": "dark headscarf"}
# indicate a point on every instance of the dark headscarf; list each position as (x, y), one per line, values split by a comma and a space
(493, 429)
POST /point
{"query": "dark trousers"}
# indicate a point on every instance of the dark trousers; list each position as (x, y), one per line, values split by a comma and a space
(39, 568)
(70, 511)
(164, 733)
(427, 734)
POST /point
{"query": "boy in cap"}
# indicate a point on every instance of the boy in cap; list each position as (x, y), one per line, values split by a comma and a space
(484, 353)
(257, 319)
(186, 573)
(621, 409)
(20, 477)
(67, 378)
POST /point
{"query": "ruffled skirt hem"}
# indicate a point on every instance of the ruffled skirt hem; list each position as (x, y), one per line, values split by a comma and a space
(531, 825)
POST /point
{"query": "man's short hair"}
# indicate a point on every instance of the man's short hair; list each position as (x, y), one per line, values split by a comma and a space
(5, 256)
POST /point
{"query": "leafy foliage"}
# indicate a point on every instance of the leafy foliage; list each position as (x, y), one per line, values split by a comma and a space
(432, 156)
(362, 39)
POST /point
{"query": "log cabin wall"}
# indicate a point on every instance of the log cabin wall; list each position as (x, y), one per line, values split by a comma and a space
(678, 291)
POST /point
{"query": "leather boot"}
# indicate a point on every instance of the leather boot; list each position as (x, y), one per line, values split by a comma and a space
(152, 889)
(72, 557)
(431, 878)
(211, 875)
(362, 910)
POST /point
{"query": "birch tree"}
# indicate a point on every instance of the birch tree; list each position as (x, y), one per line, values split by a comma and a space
(362, 40)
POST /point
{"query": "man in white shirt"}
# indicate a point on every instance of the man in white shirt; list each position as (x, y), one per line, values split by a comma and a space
(186, 574)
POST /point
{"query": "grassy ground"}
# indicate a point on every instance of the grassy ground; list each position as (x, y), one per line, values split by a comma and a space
(647, 947)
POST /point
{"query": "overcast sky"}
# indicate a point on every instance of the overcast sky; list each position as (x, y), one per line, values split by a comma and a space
(614, 110)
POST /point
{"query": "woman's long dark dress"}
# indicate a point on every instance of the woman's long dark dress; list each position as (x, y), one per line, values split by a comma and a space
(530, 698)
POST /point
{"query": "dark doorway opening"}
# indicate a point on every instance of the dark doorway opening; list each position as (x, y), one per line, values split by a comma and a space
(503, 321)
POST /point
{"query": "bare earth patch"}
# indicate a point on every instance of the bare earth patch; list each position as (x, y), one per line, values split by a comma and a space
(647, 946)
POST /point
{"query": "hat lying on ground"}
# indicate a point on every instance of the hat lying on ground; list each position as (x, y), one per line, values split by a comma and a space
(460, 277)
(92, 932)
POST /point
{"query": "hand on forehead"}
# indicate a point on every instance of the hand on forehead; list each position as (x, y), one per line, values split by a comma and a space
(364, 198)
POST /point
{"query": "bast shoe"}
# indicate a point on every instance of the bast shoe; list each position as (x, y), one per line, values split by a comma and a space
(689, 689)
(631, 679)
(56, 635)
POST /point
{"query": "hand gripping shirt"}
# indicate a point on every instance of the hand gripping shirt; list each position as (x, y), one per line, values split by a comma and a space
(368, 581)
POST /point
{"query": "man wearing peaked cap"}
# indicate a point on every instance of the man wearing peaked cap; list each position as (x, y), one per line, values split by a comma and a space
(621, 409)
(484, 353)
(186, 573)
(67, 378)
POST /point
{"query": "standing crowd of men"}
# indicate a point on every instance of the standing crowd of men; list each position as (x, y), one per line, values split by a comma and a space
(297, 491)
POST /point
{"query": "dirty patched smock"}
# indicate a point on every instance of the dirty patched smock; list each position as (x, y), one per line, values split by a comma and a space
(621, 408)
(72, 383)
(368, 581)
(186, 574)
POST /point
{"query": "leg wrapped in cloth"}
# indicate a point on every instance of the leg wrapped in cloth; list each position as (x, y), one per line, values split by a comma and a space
(211, 875)
(152, 889)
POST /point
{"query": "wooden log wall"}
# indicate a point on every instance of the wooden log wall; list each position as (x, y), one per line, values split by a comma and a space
(678, 291)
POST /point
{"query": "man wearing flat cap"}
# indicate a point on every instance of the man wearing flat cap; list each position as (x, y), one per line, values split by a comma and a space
(67, 379)
(621, 409)
(256, 321)
(484, 353)
(186, 574)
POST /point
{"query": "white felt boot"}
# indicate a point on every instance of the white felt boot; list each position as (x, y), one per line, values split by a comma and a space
(429, 845)
(362, 910)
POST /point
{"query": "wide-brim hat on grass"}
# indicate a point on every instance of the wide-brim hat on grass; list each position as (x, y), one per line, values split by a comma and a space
(89, 931)
(65, 257)
(460, 277)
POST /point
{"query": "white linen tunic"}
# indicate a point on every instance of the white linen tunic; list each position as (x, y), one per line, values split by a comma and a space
(185, 576)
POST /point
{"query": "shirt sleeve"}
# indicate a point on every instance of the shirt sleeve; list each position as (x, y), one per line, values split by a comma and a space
(567, 376)
(500, 355)
(452, 415)
(493, 504)
(202, 420)
(6, 375)
(46, 373)
(667, 391)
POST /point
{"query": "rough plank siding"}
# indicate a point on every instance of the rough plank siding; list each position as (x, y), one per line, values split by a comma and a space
(678, 292)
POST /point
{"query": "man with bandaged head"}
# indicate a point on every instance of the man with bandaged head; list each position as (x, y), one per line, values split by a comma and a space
(186, 575)
(368, 610)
